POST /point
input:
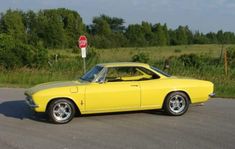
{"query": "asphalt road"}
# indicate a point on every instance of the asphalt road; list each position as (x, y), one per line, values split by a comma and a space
(209, 126)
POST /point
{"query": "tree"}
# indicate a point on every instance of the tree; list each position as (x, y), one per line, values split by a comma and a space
(161, 34)
(31, 25)
(12, 23)
(101, 27)
(200, 38)
(135, 35)
(189, 35)
(50, 29)
(115, 24)
(172, 37)
(72, 24)
(220, 36)
(165, 30)
(212, 37)
(229, 37)
(148, 34)
(60, 28)
(108, 31)
(181, 35)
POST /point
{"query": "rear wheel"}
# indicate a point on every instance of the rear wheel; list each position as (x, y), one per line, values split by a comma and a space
(176, 104)
(61, 111)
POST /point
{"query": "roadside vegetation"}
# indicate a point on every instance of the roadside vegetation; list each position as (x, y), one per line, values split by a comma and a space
(195, 61)
(37, 47)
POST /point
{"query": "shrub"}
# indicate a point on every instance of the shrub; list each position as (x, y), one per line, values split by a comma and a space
(191, 60)
(231, 55)
(14, 53)
(177, 51)
(141, 57)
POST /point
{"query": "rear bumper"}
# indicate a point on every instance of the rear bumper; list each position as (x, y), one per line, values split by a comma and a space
(212, 95)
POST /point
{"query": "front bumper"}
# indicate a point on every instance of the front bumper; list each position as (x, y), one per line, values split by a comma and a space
(30, 102)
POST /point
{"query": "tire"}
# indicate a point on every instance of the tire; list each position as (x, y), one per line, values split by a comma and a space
(176, 104)
(61, 111)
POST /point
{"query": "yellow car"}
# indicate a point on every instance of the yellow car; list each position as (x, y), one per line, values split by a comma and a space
(115, 87)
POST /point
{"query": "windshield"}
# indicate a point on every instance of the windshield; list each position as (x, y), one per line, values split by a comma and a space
(91, 75)
(160, 71)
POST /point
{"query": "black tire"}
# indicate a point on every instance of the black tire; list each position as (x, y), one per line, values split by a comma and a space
(61, 111)
(176, 104)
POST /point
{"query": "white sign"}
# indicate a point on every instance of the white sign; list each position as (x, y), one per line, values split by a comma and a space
(83, 52)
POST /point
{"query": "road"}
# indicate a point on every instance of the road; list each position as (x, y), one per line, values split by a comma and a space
(208, 126)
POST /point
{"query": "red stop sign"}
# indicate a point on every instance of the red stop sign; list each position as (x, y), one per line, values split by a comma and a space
(82, 42)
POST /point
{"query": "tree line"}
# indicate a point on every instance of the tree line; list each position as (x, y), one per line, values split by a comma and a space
(60, 28)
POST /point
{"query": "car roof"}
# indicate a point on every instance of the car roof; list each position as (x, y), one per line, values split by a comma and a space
(120, 64)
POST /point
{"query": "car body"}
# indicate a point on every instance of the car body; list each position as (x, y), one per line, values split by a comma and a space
(115, 87)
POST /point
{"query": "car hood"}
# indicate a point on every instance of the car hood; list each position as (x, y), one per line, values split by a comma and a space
(50, 85)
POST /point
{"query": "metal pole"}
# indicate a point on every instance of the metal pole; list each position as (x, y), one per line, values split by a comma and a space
(225, 62)
(84, 65)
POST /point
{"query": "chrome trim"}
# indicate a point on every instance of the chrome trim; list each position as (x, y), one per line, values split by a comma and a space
(212, 95)
(30, 102)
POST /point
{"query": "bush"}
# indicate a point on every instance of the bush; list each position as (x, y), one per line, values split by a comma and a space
(41, 57)
(177, 51)
(231, 55)
(191, 60)
(17, 54)
(141, 57)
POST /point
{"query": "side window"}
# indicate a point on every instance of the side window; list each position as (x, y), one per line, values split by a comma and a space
(148, 73)
(116, 74)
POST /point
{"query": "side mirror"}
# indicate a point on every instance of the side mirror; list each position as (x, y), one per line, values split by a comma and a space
(101, 80)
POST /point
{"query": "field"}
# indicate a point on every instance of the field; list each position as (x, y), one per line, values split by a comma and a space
(205, 62)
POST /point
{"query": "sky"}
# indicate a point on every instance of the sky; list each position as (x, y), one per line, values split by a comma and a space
(202, 15)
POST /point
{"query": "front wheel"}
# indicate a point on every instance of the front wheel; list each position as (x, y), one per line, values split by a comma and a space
(61, 111)
(176, 104)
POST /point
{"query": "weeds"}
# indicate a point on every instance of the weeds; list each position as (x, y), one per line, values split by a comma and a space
(69, 65)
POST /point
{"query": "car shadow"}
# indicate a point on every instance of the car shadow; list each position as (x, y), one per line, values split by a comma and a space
(19, 109)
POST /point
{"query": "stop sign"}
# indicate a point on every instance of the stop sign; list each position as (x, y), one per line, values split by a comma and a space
(82, 42)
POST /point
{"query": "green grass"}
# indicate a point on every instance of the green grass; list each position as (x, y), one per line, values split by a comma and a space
(156, 53)
(24, 77)
(69, 66)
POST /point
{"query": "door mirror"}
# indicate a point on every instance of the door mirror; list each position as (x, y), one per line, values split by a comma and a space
(101, 80)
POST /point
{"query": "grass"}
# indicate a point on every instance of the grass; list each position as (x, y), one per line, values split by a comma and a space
(69, 66)
(156, 53)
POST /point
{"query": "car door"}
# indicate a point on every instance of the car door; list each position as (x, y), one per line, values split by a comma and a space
(112, 95)
(152, 93)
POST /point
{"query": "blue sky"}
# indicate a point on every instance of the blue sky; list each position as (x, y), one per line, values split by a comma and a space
(203, 15)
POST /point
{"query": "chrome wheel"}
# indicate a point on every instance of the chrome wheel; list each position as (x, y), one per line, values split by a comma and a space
(62, 111)
(177, 103)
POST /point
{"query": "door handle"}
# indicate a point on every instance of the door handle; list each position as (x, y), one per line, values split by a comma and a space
(134, 85)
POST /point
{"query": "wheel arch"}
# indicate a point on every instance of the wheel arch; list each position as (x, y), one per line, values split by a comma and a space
(66, 98)
(182, 91)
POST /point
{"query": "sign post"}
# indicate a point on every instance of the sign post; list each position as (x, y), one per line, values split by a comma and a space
(82, 44)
